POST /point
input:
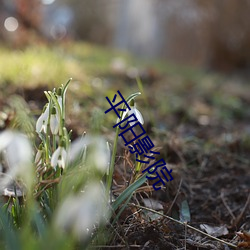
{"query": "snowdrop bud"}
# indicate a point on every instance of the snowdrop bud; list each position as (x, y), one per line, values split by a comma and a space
(54, 121)
(79, 214)
(39, 154)
(42, 122)
(59, 97)
(77, 148)
(59, 91)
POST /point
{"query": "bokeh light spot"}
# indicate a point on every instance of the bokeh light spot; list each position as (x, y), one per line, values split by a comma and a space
(58, 31)
(47, 2)
(11, 24)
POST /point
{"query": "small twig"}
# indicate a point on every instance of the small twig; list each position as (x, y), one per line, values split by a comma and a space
(57, 180)
(49, 185)
(237, 220)
(183, 224)
(227, 207)
(117, 246)
(174, 200)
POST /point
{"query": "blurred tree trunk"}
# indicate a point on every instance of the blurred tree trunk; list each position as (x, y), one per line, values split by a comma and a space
(229, 35)
(29, 14)
(29, 17)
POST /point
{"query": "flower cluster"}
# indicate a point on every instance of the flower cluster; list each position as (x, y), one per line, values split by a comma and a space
(52, 132)
(51, 115)
(85, 205)
(56, 151)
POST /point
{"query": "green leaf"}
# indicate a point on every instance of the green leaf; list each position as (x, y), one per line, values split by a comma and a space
(128, 191)
(10, 236)
(122, 209)
(185, 212)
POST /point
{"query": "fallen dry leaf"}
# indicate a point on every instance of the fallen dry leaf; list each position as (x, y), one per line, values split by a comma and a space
(245, 236)
(214, 230)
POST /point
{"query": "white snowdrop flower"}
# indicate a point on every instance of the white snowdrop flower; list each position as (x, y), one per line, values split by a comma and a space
(77, 148)
(80, 214)
(101, 154)
(59, 157)
(17, 152)
(98, 152)
(54, 121)
(137, 114)
(42, 122)
(135, 111)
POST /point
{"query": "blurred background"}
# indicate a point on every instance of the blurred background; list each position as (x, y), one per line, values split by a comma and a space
(212, 34)
(193, 60)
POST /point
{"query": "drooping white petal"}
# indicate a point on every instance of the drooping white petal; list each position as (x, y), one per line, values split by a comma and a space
(101, 155)
(63, 159)
(137, 114)
(59, 99)
(39, 123)
(19, 151)
(98, 152)
(42, 121)
(77, 147)
(18, 156)
(38, 156)
(79, 214)
(54, 124)
(55, 156)
(5, 139)
(44, 127)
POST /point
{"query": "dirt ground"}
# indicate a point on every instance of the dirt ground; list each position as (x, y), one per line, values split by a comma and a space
(202, 128)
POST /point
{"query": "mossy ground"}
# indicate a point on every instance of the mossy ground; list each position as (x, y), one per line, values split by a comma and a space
(199, 120)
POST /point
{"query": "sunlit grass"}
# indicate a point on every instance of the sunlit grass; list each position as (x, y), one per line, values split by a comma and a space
(41, 64)
(37, 65)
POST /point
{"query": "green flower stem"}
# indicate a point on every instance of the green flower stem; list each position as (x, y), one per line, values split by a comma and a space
(66, 136)
(112, 164)
(63, 101)
(47, 140)
(54, 142)
(60, 112)
(138, 165)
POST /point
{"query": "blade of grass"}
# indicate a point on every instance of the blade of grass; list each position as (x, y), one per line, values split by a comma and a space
(128, 191)
(11, 239)
(122, 209)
